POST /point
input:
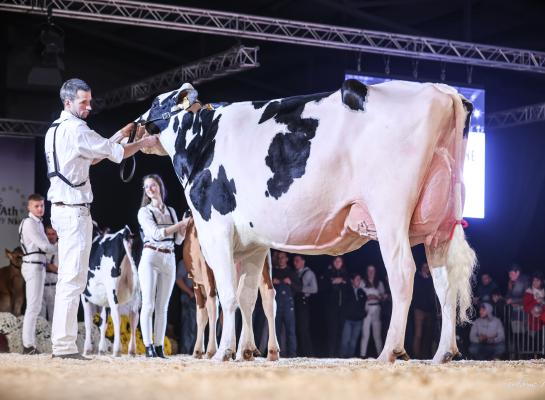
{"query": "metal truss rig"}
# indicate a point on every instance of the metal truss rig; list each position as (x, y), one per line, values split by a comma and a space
(234, 60)
(20, 128)
(286, 31)
(516, 116)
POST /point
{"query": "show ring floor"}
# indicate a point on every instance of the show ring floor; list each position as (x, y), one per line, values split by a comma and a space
(182, 377)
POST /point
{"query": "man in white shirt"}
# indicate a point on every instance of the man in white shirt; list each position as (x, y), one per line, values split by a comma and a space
(71, 147)
(35, 246)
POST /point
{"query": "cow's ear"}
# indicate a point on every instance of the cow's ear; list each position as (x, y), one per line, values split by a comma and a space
(8, 254)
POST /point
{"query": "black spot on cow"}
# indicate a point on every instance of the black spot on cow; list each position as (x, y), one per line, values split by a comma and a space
(354, 94)
(267, 193)
(289, 151)
(259, 104)
(468, 106)
(251, 225)
(191, 162)
(116, 271)
(115, 297)
(218, 193)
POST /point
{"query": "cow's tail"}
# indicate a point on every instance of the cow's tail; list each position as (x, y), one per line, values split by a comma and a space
(461, 258)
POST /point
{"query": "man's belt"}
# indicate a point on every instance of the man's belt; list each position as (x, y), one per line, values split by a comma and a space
(166, 251)
(51, 284)
(61, 204)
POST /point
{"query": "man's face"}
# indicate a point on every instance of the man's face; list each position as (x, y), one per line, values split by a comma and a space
(356, 281)
(299, 262)
(514, 275)
(482, 312)
(485, 279)
(36, 208)
(81, 105)
(282, 259)
(51, 235)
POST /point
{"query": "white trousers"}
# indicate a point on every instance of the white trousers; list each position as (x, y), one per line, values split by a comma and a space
(157, 273)
(75, 229)
(34, 276)
(48, 304)
(371, 320)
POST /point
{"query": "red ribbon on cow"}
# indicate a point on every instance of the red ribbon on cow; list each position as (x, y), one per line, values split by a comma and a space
(462, 222)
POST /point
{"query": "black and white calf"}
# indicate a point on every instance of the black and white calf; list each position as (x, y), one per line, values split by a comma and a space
(112, 281)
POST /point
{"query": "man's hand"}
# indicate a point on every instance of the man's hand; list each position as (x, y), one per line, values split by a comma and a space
(287, 281)
(127, 129)
(276, 281)
(149, 141)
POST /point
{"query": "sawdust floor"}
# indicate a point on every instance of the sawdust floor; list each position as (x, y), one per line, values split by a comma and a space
(181, 377)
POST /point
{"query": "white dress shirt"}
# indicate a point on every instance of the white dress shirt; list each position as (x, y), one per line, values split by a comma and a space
(77, 146)
(154, 228)
(33, 239)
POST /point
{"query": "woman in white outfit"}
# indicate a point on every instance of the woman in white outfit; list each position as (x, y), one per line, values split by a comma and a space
(374, 289)
(157, 268)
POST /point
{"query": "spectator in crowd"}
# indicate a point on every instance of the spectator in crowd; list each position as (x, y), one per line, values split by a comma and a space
(336, 278)
(518, 283)
(516, 287)
(534, 302)
(487, 336)
(188, 329)
(483, 294)
(48, 302)
(287, 284)
(302, 305)
(354, 310)
(375, 293)
(498, 304)
(424, 313)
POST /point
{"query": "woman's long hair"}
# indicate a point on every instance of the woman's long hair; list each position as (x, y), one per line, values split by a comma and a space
(145, 199)
(368, 283)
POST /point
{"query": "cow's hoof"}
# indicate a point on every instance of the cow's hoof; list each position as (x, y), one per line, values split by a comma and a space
(257, 353)
(197, 354)
(401, 355)
(228, 355)
(210, 354)
(132, 353)
(273, 355)
(117, 354)
(248, 355)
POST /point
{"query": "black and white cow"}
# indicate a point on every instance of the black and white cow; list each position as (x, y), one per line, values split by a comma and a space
(112, 281)
(324, 174)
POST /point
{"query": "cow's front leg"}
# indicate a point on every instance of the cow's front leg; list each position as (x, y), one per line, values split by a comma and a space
(88, 318)
(268, 299)
(102, 346)
(116, 320)
(247, 295)
(217, 246)
(133, 317)
(212, 308)
(202, 320)
(399, 262)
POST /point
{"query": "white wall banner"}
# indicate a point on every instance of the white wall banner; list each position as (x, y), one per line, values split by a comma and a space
(16, 184)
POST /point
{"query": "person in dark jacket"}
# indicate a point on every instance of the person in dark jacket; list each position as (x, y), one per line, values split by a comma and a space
(354, 299)
(287, 284)
(335, 282)
(424, 313)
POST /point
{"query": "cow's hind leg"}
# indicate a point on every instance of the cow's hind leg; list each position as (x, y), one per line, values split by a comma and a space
(451, 266)
(400, 266)
(88, 318)
(250, 277)
(133, 318)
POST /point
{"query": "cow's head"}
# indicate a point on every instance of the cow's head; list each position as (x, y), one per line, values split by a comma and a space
(15, 257)
(162, 112)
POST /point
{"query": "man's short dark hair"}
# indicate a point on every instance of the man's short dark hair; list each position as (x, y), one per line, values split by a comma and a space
(514, 267)
(36, 197)
(70, 88)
